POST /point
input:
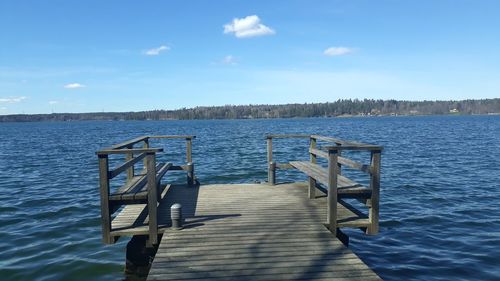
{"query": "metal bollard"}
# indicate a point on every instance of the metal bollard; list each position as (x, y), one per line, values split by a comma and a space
(176, 215)
(271, 173)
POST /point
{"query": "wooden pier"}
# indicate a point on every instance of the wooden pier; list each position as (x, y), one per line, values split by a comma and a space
(270, 231)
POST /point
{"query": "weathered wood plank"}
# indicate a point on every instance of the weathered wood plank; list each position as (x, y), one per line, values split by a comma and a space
(104, 192)
(279, 205)
(317, 152)
(331, 217)
(279, 236)
(284, 166)
(152, 198)
(126, 151)
(118, 170)
(313, 160)
(136, 188)
(189, 150)
(297, 136)
(129, 142)
(354, 164)
(347, 144)
(173, 137)
(345, 185)
(375, 186)
(351, 147)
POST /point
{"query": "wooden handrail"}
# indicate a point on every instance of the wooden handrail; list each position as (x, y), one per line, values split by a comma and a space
(172, 137)
(282, 136)
(328, 139)
(343, 160)
(318, 152)
(352, 147)
(143, 138)
(126, 165)
(129, 150)
(350, 144)
(134, 151)
(129, 142)
(354, 164)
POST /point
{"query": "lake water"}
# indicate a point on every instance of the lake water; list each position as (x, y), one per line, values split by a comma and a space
(440, 191)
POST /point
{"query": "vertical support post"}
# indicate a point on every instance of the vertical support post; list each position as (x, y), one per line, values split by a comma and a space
(145, 145)
(312, 181)
(189, 159)
(190, 174)
(130, 171)
(104, 191)
(189, 146)
(332, 190)
(271, 166)
(373, 214)
(339, 153)
(152, 197)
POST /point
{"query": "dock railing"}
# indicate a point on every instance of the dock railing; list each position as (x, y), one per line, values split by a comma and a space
(141, 187)
(337, 185)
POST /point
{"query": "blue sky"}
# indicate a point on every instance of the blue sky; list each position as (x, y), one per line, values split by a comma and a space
(92, 56)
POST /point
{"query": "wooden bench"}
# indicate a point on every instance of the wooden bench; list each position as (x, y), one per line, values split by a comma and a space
(345, 186)
(142, 188)
(330, 179)
(135, 191)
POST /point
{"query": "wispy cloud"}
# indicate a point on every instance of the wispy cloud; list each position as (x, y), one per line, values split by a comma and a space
(12, 99)
(247, 27)
(338, 51)
(74, 86)
(229, 59)
(156, 51)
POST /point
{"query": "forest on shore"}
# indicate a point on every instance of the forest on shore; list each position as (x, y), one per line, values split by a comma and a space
(339, 108)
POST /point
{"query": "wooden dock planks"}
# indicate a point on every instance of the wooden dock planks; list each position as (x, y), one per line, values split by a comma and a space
(250, 232)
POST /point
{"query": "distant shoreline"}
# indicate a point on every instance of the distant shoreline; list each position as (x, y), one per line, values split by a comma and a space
(339, 109)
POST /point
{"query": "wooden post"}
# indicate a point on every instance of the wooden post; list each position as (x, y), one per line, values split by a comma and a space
(152, 197)
(271, 166)
(332, 191)
(373, 214)
(339, 153)
(190, 174)
(130, 171)
(104, 190)
(312, 181)
(189, 159)
(189, 145)
(146, 145)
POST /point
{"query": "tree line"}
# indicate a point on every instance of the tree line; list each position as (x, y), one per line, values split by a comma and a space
(341, 107)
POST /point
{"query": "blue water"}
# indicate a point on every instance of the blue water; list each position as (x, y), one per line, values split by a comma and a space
(440, 201)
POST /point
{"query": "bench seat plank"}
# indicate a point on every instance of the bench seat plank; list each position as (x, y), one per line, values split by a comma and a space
(320, 174)
(136, 189)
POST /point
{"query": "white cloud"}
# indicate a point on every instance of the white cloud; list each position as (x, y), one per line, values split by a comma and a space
(156, 51)
(338, 51)
(53, 102)
(12, 99)
(74, 86)
(247, 27)
(229, 59)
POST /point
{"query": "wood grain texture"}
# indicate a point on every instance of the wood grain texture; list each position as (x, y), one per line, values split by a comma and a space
(251, 232)
(319, 173)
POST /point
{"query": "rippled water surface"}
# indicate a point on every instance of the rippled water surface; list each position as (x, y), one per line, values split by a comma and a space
(440, 201)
